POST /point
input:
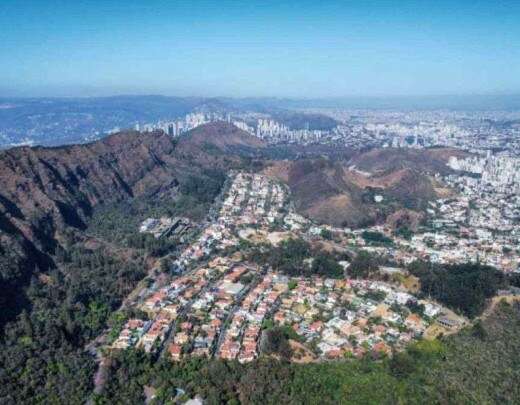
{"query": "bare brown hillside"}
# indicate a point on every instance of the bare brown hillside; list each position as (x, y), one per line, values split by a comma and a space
(343, 193)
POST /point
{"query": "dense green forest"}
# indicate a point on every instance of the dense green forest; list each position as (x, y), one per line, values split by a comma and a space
(479, 365)
(376, 238)
(295, 257)
(462, 287)
(117, 222)
(42, 354)
(364, 265)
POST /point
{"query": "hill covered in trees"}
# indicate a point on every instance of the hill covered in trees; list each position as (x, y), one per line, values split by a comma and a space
(46, 191)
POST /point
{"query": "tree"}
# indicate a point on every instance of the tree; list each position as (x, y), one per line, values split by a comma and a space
(462, 287)
(276, 342)
(325, 265)
(372, 237)
(402, 365)
(363, 266)
(326, 234)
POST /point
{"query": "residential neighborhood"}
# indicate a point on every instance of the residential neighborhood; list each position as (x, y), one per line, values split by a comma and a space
(216, 303)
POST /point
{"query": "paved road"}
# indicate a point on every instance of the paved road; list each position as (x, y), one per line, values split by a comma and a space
(243, 293)
(169, 335)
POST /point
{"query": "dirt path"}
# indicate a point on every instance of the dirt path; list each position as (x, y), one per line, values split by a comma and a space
(494, 302)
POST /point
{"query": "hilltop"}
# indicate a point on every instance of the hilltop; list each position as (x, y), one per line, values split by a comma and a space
(431, 160)
(222, 135)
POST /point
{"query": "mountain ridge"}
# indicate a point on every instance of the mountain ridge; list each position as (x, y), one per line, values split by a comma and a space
(47, 191)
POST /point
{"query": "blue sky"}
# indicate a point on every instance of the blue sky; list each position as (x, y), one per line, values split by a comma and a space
(259, 48)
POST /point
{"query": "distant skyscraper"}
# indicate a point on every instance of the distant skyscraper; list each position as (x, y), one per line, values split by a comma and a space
(170, 129)
(137, 127)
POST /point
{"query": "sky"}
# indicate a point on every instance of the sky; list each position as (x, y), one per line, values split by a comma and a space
(248, 48)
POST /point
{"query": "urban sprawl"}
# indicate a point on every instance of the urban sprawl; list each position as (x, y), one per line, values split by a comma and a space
(216, 303)
(476, 132)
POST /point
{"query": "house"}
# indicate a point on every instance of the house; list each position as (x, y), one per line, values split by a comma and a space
(334, 353)
(447, 322)
(381, 347)
(175, 351)
(430, 309)
(279, 317)
(181, 338)
(186, 326)
(231, 288)
(414, 322)
(216, 323)
(246, 356)
(316, 326)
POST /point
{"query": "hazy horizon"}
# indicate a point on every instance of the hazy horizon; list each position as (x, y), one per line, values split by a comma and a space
(492, 102)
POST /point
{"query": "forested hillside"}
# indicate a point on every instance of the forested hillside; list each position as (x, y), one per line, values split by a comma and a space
(70, 251)
(44, 191)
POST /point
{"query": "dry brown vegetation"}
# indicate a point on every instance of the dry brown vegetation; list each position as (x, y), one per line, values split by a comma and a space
(341, 192)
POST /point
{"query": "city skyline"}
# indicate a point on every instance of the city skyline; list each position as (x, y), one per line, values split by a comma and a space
(283, 49)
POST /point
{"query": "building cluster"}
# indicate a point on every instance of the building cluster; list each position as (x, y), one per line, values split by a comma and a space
(471, 131)
(275, 132)
(483, 221)
(215, 304)
(241, 337)
(253, 199)
(490, 173)
(258, 125)
(474, 131)
(131, 333)
(478, 223)
(179, 126)
(206, 285)
(268, 128)
(165, 226)
(457, 230)
(358, 129)
(201, 329)
(352, 317)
